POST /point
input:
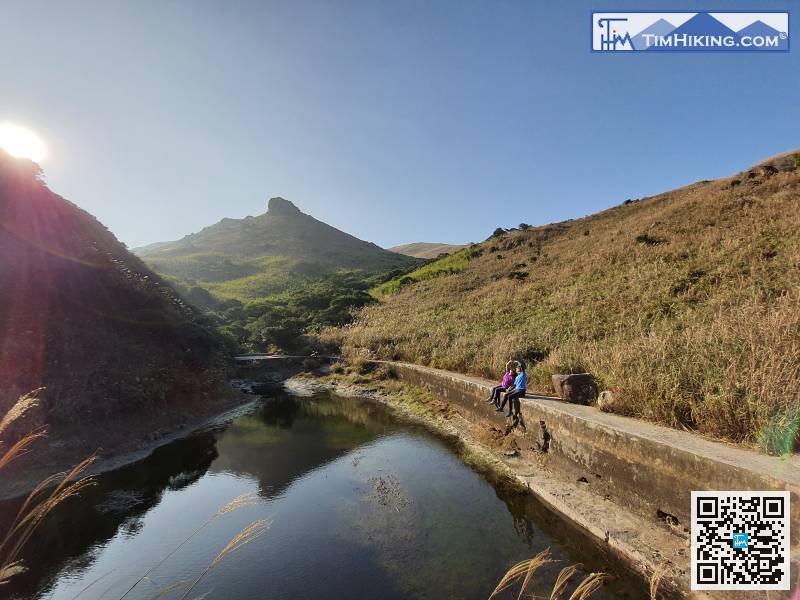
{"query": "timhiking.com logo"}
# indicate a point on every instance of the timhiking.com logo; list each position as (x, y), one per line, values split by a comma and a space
(690, 31)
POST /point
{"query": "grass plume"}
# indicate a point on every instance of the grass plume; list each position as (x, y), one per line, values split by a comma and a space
(245, 536)
(20, 407)
(563, 579)
(588, 586)
(44, 498)
(242, 500)
(526, 569)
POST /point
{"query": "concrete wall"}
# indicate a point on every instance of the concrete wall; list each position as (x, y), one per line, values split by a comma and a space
(647, 468)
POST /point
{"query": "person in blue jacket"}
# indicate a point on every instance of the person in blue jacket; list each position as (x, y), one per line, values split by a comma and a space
(514, 394)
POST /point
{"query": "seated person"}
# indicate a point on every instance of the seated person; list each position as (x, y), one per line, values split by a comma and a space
(514, 394)
(505, 384)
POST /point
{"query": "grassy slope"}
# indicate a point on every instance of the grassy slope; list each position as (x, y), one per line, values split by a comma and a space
(83, 317)
(685, 304)
(453, 263)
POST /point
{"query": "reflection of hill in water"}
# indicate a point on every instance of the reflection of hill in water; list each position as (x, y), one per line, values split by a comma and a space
(290, 436)
(119, 500)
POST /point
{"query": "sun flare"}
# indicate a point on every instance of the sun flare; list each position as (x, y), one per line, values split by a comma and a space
(21, 142)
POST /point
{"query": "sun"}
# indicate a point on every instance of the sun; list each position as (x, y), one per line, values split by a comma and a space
(21, 142)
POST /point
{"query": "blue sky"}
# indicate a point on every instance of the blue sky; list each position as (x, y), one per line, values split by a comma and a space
(395, 121)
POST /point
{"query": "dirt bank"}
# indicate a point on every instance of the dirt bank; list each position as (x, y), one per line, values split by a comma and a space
(133, 436)
(116, 444)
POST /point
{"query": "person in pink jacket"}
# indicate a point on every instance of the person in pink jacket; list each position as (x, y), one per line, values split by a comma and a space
(506, 383)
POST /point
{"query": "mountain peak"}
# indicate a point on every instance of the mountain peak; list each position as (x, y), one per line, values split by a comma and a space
(268, 254)
(281, 206)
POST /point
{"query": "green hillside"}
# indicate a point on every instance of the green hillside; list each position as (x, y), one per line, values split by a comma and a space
(258, 256)
(447, 265)
(270, 278)
(686, 305)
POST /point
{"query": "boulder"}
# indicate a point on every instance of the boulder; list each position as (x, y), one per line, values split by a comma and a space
(768, 170)
(577, 388)
(605, 401)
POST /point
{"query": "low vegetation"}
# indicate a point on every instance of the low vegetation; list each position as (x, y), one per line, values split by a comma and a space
(450, 264)
(267, 281)
(284, 319)
(685, 305)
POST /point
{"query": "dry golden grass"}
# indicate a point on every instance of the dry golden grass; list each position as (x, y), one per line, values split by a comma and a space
(526, 569)
(563, 579)
(686, 305)
(588, 586)
(241, 501)
(48, 494)
(245, 536)
(18, 410)
(522, 570)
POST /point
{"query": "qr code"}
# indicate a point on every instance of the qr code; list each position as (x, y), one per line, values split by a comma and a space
(740, 540)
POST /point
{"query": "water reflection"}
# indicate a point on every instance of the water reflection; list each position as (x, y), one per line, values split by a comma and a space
(298, 436)
(114, 506)
(362, 507)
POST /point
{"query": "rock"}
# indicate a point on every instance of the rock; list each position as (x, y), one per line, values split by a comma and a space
(605, 401)
(577, 388)
(768, 170)
(280, 206)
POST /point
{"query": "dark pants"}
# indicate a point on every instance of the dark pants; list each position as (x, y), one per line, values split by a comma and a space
(512, 397)
(495, 395)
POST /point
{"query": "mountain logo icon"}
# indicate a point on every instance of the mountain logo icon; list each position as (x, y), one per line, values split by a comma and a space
(704, 31)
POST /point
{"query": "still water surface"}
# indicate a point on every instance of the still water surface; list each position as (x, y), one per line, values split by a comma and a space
(360, 506)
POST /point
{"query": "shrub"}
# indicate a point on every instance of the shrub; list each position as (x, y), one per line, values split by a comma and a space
(649, 240)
